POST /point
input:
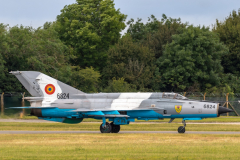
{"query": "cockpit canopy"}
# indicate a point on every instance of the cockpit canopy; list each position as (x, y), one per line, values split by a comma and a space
(173, 96)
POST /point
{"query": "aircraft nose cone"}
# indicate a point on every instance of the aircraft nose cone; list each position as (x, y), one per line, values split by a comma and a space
(222, 110)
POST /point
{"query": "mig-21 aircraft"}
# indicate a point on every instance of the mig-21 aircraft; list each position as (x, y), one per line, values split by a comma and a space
(55, 101)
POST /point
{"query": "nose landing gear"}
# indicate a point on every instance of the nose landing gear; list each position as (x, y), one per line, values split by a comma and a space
(181, 129)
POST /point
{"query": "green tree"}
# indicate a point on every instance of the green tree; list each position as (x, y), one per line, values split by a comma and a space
(192, 57)
(36, 50)
(155, 34)
(119, 85)
(89, 27)
(85, 80)
(229, 83)
(229, 33)
(3, 49)
(139, 31)
(131, 61)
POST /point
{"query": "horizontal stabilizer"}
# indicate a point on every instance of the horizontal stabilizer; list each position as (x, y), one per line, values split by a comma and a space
(30, 107)
(18, 107)
(34, 98)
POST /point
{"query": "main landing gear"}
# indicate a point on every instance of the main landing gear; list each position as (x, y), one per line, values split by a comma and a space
(109, 128)
(181, 129)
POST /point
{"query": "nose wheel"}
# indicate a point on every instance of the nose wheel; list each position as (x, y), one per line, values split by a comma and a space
(181, 129)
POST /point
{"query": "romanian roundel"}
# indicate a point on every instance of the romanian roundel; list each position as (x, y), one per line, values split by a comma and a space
(49, 89)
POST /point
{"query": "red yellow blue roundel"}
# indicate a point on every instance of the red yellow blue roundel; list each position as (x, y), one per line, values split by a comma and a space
(50, 89)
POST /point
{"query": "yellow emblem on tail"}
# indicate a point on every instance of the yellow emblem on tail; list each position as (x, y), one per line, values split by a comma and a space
(178, 108)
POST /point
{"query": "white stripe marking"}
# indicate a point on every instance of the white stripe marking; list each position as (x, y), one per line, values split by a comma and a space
(129, 100)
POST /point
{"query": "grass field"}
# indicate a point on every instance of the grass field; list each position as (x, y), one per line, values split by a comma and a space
(132, 127)
(119, 146)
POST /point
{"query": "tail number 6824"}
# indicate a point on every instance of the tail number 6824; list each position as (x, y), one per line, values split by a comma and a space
(63, 95)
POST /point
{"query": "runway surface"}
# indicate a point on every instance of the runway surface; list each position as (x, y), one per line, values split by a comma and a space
(121, 132)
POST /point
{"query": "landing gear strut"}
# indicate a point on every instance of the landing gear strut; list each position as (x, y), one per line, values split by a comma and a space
(181, 129)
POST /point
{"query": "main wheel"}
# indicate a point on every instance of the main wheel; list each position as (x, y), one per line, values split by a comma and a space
(106, 129)
(115, 128)
(181, 129)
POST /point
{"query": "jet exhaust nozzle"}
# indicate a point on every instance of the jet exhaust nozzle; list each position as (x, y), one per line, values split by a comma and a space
(222, 110)
(36, 112)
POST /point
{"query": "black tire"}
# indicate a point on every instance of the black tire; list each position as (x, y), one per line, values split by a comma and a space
(115, 128)
(181, 129)
(106, 129)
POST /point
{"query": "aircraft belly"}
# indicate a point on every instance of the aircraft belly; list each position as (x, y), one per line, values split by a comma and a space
(144, 114)
(155, 114)
(59, 113)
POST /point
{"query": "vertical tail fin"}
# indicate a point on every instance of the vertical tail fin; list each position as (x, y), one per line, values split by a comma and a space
(41, 85)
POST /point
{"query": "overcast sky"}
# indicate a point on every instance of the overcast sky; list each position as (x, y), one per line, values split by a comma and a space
(198, 12)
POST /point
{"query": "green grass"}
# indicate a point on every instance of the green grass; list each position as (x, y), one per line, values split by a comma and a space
(119, 146)
(132, 127)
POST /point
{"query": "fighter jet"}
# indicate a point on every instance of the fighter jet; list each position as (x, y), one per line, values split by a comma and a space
(53, 100)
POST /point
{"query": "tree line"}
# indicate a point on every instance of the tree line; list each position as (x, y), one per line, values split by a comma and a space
(85, 49)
